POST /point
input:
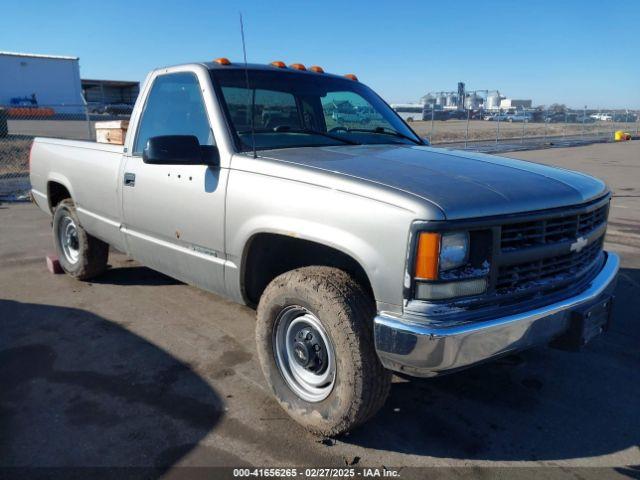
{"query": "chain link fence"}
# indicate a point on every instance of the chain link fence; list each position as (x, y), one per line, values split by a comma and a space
(465, 129)
(19, 126)
(508, 130)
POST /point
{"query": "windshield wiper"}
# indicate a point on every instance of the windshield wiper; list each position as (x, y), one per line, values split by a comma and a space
(309, 131)
(385, 131)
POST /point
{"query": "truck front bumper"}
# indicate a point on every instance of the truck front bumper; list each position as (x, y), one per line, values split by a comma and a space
(418, 348)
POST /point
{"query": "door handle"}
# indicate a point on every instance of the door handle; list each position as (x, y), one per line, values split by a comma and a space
(129, 179)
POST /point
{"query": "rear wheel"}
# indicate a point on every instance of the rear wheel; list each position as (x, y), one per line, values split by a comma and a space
(80, 255)
(315, 345)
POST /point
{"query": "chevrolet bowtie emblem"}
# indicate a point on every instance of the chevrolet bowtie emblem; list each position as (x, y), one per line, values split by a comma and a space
(579, 244)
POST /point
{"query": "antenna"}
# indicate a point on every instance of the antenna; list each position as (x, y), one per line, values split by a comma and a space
(253, 95)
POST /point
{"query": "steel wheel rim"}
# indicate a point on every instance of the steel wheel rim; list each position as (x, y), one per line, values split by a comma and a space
(68, 237)
(310, 385)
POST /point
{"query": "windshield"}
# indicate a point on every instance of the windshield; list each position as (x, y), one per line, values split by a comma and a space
(292, 109)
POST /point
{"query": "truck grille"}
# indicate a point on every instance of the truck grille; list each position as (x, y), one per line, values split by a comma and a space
(551, 230)
(548, 271)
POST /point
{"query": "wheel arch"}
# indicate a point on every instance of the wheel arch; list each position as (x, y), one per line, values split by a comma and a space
(276, 253)
(58, 188)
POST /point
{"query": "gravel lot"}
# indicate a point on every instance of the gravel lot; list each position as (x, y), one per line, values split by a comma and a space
(136, 369)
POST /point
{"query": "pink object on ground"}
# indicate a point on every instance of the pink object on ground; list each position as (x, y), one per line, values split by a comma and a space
(53, 264)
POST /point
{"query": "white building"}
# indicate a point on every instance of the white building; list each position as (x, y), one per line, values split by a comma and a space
(509, 103)
(53, 81)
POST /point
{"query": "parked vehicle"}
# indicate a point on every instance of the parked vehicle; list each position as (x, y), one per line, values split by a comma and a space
(556, 117)
(435, 114)
(629, 117)
(409, 112)
(496, 116)
(365, 251)
(457, 114)
(118, 109)
(584, 119)
(519, 117)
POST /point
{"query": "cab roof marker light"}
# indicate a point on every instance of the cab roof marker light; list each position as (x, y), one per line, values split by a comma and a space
(278, 63)
(316, 68)
(222, 61)
(297, 66)
(351, 76)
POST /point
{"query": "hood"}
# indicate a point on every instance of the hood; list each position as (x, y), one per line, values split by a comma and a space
(462, 184)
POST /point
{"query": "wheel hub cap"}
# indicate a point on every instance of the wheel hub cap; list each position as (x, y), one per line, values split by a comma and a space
(309, 350)
(69, 241)
(304, 354)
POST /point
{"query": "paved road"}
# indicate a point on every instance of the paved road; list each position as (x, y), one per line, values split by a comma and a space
(135, 369)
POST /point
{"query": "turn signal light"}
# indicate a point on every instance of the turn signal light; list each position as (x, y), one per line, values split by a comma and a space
(351, 76)
(222, 61)
(427, 256)
(316, 69)
(297, 66)
(278, 64)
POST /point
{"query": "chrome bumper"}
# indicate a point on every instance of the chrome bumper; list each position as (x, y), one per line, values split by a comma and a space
(421, 350)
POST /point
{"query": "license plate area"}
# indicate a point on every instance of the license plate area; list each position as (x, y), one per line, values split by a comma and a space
(585, 323)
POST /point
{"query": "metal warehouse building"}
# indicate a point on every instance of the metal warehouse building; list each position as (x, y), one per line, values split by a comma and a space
(110, 91)
(41, 80)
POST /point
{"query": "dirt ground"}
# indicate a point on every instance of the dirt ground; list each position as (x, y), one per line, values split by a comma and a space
(136, 369)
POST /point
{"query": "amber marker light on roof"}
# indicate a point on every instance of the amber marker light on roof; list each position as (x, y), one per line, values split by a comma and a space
(222, 61)
(316, 69)
(278, 64)
(427, 256)
(297, 66)
(351, 76)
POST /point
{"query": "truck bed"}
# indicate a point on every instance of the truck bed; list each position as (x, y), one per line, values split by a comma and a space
(89, 172)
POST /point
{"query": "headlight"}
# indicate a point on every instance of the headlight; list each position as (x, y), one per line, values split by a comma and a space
(441, 252)
(454, 250)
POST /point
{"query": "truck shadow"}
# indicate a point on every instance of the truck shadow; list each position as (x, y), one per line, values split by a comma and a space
(542, 404)
(134, 275)
(79, 390)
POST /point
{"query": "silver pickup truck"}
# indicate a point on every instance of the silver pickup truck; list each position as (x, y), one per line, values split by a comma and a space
(364, 251)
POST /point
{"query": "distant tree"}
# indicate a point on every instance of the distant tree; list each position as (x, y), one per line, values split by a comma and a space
(558, 108)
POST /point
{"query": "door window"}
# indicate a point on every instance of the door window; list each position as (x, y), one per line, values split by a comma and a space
(174, 107)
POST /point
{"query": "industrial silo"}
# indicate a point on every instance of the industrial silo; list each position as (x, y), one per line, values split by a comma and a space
(451, 100)
(472, 102)
(428, 99)
(493, 101)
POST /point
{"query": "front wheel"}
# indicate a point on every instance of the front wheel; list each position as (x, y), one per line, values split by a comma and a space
(81, 255)
(315, 344)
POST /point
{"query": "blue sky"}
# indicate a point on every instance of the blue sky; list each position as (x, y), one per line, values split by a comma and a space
(574, 52)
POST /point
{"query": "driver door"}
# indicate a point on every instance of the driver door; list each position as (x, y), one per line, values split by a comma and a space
(174, 213)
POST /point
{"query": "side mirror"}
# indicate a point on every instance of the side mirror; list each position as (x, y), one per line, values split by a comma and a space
(178, 150)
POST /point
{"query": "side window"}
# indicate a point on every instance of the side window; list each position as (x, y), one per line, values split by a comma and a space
(174, 107)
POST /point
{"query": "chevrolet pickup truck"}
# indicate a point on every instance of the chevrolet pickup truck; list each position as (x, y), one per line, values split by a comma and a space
(363, 250)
